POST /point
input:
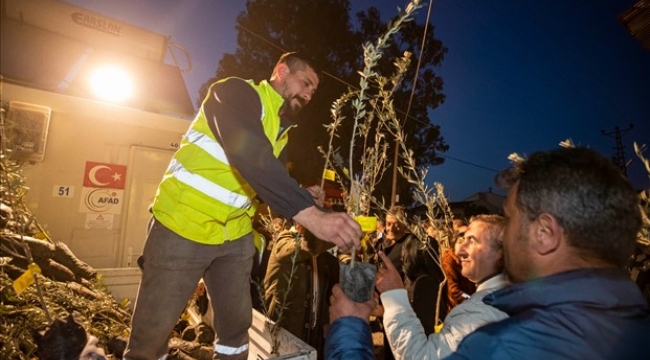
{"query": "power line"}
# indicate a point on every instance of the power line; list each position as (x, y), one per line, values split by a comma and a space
(469, 163)
(393, 196)
(353, 87)
(427, 123)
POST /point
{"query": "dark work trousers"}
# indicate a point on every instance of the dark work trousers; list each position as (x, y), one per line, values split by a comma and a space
(171, 268)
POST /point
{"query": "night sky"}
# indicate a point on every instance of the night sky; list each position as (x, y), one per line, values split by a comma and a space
(520, 76)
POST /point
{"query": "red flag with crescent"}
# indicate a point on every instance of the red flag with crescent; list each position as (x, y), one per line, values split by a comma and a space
(100, 175)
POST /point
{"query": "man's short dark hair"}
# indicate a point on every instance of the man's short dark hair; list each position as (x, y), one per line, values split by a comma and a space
(297, 61)
(588, 195)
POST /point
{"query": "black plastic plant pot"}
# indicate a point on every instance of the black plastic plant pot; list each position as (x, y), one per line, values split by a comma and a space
(358, 280)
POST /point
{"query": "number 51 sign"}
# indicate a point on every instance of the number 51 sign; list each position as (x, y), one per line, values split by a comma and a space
(63, 191)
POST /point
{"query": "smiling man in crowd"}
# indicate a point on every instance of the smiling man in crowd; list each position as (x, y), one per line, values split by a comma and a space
(481, 256)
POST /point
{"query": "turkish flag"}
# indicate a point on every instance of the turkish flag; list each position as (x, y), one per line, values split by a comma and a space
(99, 175)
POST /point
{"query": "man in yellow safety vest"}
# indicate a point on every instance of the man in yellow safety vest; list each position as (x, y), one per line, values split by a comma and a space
(201, 225)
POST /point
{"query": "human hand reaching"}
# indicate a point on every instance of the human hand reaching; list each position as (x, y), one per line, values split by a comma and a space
(342, 306)
(387, 275)
(336, 227)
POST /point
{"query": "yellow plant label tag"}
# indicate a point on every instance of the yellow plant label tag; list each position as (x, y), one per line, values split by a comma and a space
(438, 328)
(41, 235)
(124, 303)
(329, 175)
(367, 223)
(26, 279)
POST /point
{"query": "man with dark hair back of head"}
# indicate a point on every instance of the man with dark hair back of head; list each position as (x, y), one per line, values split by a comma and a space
(572, 221)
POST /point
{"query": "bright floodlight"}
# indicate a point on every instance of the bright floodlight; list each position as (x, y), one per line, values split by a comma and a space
(111, 84)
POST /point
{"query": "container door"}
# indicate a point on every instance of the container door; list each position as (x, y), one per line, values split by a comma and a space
(146, 168)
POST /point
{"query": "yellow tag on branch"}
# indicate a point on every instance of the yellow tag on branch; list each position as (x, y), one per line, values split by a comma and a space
(26, 279)
(41, 235)
(438, 328)
(124, 303)
(329, 175)
(367, 223)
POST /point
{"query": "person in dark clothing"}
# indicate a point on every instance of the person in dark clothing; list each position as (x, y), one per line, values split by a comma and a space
(261, 260)
(349, 336)
(396, 233)
(67, 339)
(302, 307)
(201, 225)
(422, 281)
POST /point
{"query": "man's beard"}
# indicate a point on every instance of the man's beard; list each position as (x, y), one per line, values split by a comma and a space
(288, 108)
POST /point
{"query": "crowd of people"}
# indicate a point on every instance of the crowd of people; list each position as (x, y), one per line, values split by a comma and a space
(570, 226)
(302, 270)
(545, 281)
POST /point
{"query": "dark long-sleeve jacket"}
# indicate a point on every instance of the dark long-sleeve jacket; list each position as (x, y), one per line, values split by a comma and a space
(580, 314)
(315, 271)
(233, 109)
(349, 338)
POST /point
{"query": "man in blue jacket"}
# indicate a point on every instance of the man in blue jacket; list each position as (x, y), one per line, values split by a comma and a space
(572, 221)
(349, 336)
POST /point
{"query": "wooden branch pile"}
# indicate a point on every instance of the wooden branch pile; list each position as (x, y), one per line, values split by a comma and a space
(68, 286)
(56, 260)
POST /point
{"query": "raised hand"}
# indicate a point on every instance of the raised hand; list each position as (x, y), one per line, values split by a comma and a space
(387, 276)
(336, 227)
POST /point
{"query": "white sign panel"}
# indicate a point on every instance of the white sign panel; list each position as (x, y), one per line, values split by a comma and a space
(99, 222)
(100, 200)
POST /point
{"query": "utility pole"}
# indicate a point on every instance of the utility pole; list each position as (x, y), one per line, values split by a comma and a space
(619, 150)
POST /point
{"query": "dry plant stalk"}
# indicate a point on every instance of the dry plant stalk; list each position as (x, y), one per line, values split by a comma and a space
(383, 120)
(13, 189)
(358, 196)
(433, 198)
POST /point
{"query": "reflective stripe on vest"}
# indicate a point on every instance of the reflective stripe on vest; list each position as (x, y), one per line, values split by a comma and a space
(207, 187)
(207, 144)
(227, 350)
(201, 196)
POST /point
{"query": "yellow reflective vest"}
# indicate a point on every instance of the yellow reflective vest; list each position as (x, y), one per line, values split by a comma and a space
(201, 197)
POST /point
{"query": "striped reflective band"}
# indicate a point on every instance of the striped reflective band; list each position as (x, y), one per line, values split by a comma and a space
(208, 188)
(206, 143)
(227, 350)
